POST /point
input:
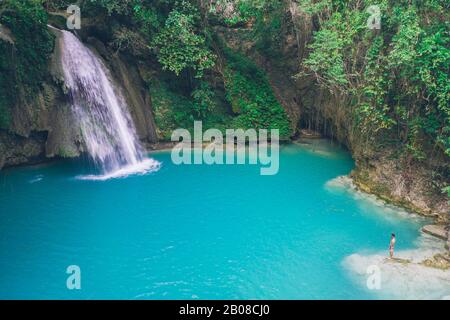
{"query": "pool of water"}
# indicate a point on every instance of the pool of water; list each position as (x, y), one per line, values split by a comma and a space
(192, 231)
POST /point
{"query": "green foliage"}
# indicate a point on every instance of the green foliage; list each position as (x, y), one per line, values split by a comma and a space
(447, 191)
(54, 5)
(171, 110)
(264, 18)
(312, 7)
(397, 77)
(175, 110)
(180, 46)
(326, 59)
(113, 6)
(147, 17)
(203, 100)
(125, 39)
(6, 84)
(5, 116)
(267, 29)
(26, 66)
(252, 98)
(27, 21)
(237, 12)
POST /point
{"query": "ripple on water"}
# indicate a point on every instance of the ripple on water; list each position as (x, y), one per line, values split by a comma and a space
(37, 178)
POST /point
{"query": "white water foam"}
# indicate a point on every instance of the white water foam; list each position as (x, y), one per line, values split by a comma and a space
(403, 280)
(398, 280)
(101, 112)
(144, 167)
(37, 178)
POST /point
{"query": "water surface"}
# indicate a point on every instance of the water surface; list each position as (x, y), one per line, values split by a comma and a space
(187, 232)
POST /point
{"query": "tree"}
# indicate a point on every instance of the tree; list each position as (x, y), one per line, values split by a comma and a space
(180, 48)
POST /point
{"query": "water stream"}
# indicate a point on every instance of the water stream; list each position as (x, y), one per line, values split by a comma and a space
(100, 109)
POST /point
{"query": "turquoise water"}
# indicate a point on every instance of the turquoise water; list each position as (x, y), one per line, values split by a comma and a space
(187, 232)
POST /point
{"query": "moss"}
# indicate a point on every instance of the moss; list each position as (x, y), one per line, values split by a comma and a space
(362, 180)
(23, 65)
(171, 110)
(67, 153)
(7, 84)
(27, 21)
(251, 96)
(439, 261)
(174, 110)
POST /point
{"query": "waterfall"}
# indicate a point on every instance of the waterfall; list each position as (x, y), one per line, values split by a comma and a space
(101, 112)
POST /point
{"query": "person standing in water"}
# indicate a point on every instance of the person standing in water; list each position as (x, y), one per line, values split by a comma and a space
(391, 245)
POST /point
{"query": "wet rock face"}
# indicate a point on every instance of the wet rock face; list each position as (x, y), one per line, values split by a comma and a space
(409, 186)
(16, 150)
(438, 231)
(5, 35)
(438, 261)
(137, 96)
(42, 126)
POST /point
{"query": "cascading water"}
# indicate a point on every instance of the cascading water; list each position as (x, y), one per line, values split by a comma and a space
(101, 112)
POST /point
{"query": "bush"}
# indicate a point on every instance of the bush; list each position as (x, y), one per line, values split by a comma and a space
(251, 97)
(397, 77)
(180, 47)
